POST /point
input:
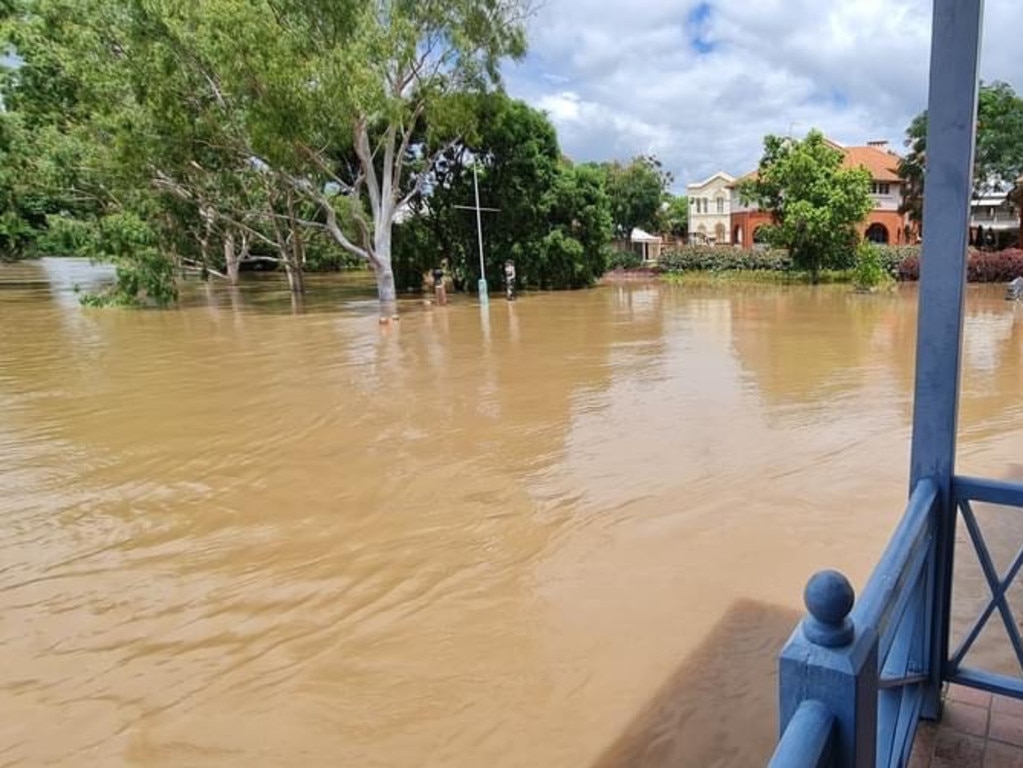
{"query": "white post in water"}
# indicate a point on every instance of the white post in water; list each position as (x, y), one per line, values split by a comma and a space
(482, 284)
(484, 297)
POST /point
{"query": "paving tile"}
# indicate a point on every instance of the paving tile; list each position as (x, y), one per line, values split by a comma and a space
(964, 718)
(1008, 706)
(966, 695)
(1002, 756)
(1007, 728)
(923, 744)
(957, 749)
(926, 732)
(920, 757)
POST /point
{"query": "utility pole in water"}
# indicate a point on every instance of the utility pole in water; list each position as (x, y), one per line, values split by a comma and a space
(482, 284)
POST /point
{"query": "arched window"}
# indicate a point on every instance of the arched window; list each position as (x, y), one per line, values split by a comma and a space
(721, 204)
(720, 234)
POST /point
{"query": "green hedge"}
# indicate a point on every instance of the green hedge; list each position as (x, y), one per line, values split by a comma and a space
(708, 258)
(624, 260)
(893, 256)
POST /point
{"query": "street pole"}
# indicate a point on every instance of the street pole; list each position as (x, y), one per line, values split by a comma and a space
(482, 285)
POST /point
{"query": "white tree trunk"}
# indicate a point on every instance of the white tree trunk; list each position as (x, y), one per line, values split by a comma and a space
(231, 258)
(296, 280)
(386, 292)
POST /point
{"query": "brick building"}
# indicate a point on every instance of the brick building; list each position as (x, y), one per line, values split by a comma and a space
(884, 224)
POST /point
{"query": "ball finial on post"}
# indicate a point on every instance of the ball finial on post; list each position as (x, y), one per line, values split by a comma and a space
(829, 598)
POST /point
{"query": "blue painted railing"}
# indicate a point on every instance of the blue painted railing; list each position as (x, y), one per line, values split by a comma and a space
(965, 491)
(865, 664)
(854, 677)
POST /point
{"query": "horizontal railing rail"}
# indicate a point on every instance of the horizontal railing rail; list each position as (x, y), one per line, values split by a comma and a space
(863, 663)
(887, 594)
(808, 741)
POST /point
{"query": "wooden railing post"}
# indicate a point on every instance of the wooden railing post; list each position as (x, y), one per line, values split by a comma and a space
(830, 660)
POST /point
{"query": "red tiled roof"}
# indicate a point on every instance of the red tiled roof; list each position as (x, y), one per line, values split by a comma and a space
(882, 164)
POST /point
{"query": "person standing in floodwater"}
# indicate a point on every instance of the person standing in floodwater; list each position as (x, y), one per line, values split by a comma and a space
(509, 280)
(438, 286)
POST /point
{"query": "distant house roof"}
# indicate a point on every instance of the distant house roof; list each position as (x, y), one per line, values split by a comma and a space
(751, 176)
(639, 236)
(883, 164)
(728, 178)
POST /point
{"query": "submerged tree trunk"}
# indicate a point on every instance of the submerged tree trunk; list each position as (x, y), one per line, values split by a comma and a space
(384, 271)
(286, 254)
(295, 234)
(296, 279)
(385, 290)
(231, 258)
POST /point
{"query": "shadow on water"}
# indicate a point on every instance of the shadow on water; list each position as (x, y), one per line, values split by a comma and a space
(694, 718)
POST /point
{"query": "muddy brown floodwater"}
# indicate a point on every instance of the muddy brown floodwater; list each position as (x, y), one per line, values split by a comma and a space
(568, 531)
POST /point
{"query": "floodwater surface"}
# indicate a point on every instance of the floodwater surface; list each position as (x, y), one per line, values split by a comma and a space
(568, 531)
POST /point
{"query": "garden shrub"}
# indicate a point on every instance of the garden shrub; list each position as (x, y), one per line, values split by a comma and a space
(624, 260)
(708, 258)
(870, 269)
(981, 266)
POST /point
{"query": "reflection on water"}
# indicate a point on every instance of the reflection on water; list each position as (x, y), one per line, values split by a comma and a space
(572, 530)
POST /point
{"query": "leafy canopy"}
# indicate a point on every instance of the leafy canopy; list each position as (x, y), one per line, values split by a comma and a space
(636, 190)
(998, 158)
(815, 203)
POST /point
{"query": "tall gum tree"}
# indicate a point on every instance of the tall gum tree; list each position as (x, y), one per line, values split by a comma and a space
(339, 90)
(326, 98)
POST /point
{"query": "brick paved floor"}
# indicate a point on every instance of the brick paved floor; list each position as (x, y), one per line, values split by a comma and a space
(977, 730)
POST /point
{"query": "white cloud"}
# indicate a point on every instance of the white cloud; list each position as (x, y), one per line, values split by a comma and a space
(701, 83)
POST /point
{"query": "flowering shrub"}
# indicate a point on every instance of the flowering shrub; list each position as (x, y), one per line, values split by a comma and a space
(981, 266)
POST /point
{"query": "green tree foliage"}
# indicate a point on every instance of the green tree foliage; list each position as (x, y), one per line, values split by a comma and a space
(814, 202)
(43, 157)
(870, 271)
(22, 214)
(342, 90)
(144, 275)
(636, 191)
(543, 207)
(998, 159)
(234, 126)
(675, 214)
(579, 216)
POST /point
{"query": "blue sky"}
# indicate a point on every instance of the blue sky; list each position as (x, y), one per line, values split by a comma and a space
(700, 82)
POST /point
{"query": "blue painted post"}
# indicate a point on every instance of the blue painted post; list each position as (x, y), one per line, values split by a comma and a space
(951, 122)
(830, 660)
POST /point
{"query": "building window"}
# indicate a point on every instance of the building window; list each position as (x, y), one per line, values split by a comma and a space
(877, 233)
(880, 188)
(721, 205)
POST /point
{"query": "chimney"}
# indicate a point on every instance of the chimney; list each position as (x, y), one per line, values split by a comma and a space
(878, 143)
